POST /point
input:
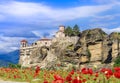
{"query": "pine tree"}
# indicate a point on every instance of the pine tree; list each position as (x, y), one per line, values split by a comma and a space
(68, 31)
(76, 30)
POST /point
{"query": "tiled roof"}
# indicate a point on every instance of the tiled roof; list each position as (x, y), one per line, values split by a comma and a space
(45, 39)
(24, 40)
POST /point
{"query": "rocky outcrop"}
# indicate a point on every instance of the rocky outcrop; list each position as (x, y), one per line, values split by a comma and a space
(106, 50)
(102, 48)
(92, 35)
(115, 38)
(92, 41)
(95, 50)
(93, 46)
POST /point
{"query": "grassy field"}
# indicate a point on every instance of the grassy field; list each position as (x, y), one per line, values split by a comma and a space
(85, 75)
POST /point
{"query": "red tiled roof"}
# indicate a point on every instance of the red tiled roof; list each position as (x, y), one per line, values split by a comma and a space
(45, 39)
(24, 40)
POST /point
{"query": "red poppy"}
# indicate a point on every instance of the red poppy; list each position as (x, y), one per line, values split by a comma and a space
(76, 81)
(58, 81)
(117, 74)
(45, 81)
(68, 78)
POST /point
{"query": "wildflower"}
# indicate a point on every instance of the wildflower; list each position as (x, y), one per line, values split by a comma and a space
(45, 81)
(117, 74)
(72, 72)
(96, 75)
(76, 80)
(58, 81)
(117, 69)
(84, 80)
(57, 77)
(68, 78)
(95, 66)
(37, 70)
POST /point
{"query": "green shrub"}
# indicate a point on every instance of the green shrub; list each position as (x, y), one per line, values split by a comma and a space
(14, 65)
(117, 62)
(88, 54)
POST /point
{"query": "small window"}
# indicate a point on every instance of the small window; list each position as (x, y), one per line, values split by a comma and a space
(35, 43)
(45, 42)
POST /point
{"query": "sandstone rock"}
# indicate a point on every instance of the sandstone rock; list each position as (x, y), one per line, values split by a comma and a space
(95, 50)
(94, 47)
(93, 35)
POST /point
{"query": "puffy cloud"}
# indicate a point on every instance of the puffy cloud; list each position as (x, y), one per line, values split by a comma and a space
(26, 11)
(11, 43)
(8, 44)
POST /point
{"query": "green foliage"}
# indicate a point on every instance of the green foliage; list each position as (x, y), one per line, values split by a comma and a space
(117, 62)
(76, 30)
(14, 65)
(68, 31)
(70, 47)
(72, 31)
(88, 54)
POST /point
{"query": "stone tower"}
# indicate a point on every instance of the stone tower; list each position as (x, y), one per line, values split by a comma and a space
(60, 33)
(24, 43)
(61, 28)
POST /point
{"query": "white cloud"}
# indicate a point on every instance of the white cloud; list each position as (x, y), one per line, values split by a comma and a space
(105, 18)
(37, 33)
(37, 13)
(112, 30)
(41, 33)
(103, 24)
(8, 44)
(105, 1)
(27, 11)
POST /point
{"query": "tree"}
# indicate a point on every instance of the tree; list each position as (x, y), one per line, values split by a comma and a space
(76, 30)
(72, 31)
(68, 31)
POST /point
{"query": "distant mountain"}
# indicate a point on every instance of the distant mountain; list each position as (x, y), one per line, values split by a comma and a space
(4, 63)
(11, 57)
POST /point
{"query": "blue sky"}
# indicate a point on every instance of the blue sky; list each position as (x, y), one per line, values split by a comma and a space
(32, 19)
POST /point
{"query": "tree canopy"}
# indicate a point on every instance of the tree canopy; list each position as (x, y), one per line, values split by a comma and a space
(76, 30)
(69, 31)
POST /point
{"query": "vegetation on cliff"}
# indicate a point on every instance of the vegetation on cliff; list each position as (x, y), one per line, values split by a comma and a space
(69, 31)
(117, 62)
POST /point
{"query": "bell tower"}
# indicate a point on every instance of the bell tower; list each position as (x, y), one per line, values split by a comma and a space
(24, 43)
(61, 28)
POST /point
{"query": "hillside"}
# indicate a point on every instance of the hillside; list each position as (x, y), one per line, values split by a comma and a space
(11, 57)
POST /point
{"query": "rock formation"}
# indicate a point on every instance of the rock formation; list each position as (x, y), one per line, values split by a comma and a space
(93, 47)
